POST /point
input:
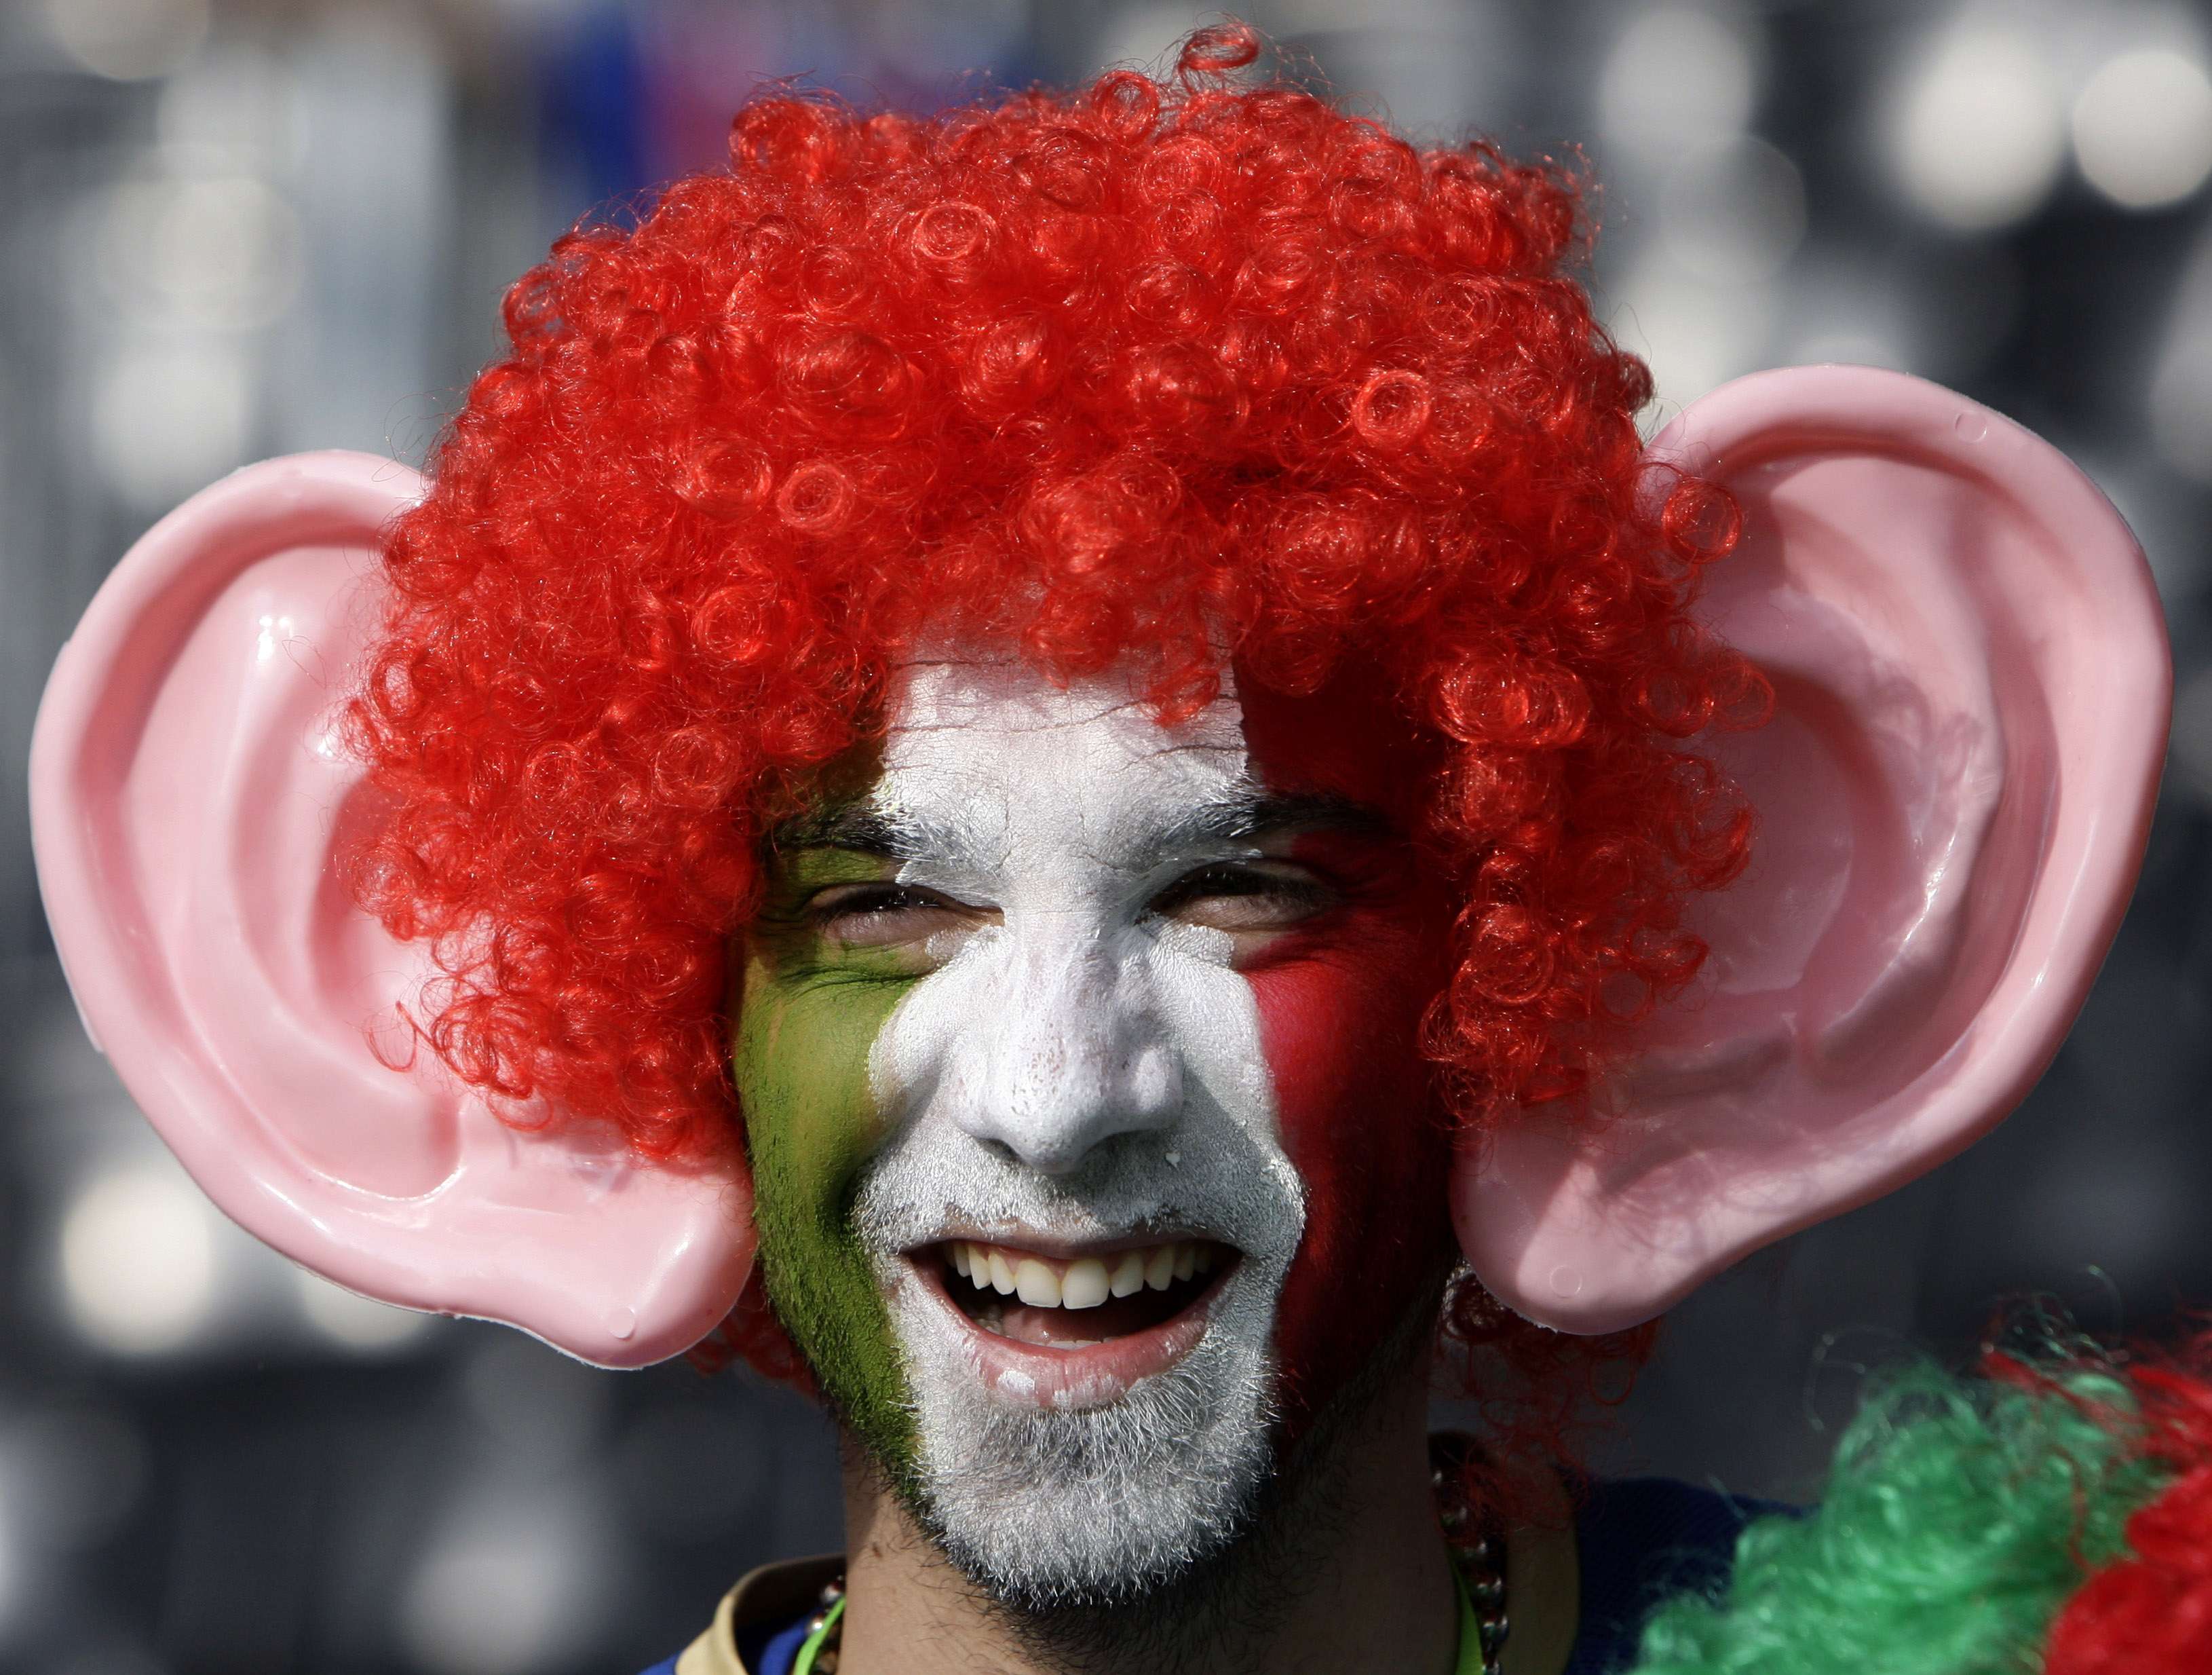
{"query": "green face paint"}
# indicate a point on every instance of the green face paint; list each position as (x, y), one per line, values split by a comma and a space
(810, 1009)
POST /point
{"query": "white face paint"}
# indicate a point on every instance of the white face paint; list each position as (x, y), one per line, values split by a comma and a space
(1082, 1074)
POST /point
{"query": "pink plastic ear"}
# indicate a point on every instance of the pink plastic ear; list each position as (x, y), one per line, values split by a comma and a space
(187, 793)
(1972, 684)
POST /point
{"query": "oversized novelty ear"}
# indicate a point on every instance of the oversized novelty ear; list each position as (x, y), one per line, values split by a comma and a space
(1972, 689)
(187, 794)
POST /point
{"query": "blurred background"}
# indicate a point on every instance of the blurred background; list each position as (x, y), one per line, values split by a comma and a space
(237, 228)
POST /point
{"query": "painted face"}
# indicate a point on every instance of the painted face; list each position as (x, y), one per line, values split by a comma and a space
(1093, 1150)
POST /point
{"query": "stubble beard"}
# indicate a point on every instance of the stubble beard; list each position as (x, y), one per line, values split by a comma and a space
(1052, 1511)
(1052, 1508)
(1198, 1595)
(1179, 1496)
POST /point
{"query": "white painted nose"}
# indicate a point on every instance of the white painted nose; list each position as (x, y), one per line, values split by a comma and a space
(1070, 1054)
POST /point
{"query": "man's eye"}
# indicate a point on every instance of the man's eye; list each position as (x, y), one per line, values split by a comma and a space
(882, 916)
(1244, 898)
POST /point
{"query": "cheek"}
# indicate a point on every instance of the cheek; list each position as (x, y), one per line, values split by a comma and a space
(799, 1061)
(1340, 1022)
(1340, 1027)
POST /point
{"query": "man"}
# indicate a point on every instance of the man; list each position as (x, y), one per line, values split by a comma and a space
(1088, 696)
(1057, 1049)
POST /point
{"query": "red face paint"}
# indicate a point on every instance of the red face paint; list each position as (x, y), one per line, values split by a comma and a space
(1341, 1000)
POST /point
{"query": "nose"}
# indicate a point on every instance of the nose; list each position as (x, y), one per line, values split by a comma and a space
(1071, 1055)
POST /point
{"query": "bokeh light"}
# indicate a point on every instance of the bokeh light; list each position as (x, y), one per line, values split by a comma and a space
(220, 255)
(128, 41)
(507, 1587)
(1696, 332)
(1977, 128)
(355, 1322)
(1676, 75)
(138, 1261)
(2180, 399)
(2181, 406)
(2142, 128)
(168, 417)
(234, 108)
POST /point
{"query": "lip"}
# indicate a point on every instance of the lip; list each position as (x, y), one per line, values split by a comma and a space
(1090, 1375)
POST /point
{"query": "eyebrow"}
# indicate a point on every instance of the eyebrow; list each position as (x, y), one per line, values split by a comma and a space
(864, 828)
(856, 826)
(1243, 817)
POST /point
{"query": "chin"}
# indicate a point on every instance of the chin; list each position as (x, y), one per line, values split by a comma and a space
(1074, 1458)
(1105, 1507)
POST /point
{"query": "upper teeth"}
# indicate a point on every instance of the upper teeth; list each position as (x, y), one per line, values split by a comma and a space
(1048, 1282)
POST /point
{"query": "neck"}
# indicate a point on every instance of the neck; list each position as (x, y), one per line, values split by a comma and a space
(1345, 1569)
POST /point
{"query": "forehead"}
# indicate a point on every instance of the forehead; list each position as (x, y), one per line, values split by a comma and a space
(989, 742)
(983, 755)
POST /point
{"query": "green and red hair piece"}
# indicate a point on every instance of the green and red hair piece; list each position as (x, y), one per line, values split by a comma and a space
(2054, 1516)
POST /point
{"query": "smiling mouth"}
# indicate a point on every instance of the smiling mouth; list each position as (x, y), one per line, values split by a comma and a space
(1049, 1302)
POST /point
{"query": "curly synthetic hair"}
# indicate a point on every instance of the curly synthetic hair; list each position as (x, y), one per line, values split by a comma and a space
(1171, 372)
(2052, 1517)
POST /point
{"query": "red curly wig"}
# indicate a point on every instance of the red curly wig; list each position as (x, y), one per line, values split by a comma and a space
(1142, 371)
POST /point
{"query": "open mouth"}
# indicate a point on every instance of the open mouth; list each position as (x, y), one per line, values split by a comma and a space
(1071, 1303)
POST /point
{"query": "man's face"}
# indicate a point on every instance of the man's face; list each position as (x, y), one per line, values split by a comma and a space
(1091, 1148)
